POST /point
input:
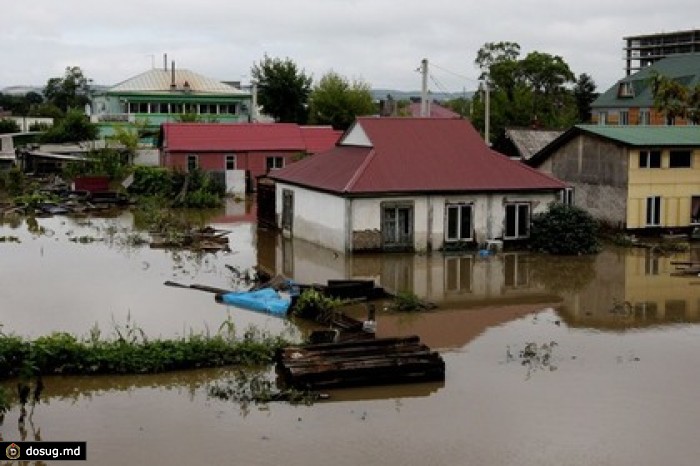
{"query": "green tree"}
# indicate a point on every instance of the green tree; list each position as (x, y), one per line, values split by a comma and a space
(283, 89)
(672, 98)
(75, 127)
(8, 126)
(584, 93)
(70, 91)
(530, 91)
(337, 102)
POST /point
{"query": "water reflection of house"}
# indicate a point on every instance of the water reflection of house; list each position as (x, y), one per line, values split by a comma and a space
(633, 288)
(466, 280)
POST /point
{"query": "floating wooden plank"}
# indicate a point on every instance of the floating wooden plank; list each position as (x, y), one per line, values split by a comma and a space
(366, 362)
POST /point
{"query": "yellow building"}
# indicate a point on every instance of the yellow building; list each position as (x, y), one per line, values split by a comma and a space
(630, 177)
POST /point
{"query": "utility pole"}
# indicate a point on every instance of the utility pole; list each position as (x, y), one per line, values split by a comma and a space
(424, 88)
(487, 112)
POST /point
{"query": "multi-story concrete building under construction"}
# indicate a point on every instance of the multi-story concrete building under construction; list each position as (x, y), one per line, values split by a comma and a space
(644, 50)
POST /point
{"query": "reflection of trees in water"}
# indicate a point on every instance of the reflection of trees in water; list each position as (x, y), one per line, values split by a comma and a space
(563, 274)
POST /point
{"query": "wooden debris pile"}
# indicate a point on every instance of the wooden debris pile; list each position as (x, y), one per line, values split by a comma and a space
(364, 362)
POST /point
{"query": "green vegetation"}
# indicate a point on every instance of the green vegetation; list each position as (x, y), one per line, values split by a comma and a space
(70, 91)
(564, 230)
(314, 305)
(130, 352)
(101, 162)
(674, 99)
(407, 301)
(74, 127)
(336, 101)
(283, 89)
(193, 189)
(526, 92)
(8, 126)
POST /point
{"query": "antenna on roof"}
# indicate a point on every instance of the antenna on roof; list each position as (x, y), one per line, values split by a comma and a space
(165, 61)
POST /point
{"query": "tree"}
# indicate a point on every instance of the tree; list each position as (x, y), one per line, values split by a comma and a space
(530, 91)
(75, 127)
(585, 94)
(70, 91)
(337, 102)
(283, 89)
(674, 99)
(8, 126)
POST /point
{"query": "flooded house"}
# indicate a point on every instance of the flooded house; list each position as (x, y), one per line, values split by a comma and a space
(632, 177)
(240, 152)
(410, 184)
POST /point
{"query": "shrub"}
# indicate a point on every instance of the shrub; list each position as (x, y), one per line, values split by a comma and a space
(564, 230)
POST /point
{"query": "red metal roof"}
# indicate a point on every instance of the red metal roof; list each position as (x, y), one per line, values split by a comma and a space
(224, 137)
(319, 138)
(415, 155)
(436, 111)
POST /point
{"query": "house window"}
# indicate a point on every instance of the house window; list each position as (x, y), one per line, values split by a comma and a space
(517, 221)
(670, 120)
(273, 163)
(602, 118)
(625, 90)
(650, 159)
(192, 162)
(230, 162)
(459, 222)
(644, 117)
(653, 211)
(679, 159)
(624, 117)
(695, 210)
(458, 274)
(224, 108)
(175, 108)
(567, 196)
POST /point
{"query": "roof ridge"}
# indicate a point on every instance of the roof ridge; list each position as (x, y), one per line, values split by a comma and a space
(360, 171)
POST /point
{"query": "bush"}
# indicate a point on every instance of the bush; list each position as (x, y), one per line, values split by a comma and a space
(8, 126)
(564, 230)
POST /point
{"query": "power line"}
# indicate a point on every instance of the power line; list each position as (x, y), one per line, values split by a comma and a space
(454, 73)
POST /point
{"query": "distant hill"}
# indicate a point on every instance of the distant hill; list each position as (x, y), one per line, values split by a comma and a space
(379, 94)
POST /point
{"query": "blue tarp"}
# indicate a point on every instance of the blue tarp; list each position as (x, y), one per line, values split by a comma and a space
(263, 300)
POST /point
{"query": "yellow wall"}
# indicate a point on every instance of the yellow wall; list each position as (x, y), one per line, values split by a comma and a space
(675, 186)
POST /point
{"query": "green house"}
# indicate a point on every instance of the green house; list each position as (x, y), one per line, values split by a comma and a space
(167, 95)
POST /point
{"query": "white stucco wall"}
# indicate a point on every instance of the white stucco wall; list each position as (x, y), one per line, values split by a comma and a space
(332, 221)
(318, 217)
(235, 181)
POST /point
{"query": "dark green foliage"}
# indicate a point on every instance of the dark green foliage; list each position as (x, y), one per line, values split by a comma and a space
(8, 126)
(75, 127)
(192, 189)
(102, 162)
(407, 301)
(283, 89)
(564, 230)
(152, 181)
(314, 305)
(70, 91)
(337, 102)
(585, 93)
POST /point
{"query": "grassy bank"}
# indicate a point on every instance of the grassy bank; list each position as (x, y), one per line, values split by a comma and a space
(129, 352)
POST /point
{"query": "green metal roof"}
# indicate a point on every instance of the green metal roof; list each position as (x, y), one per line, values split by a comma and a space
(647, 135)
(683, 68)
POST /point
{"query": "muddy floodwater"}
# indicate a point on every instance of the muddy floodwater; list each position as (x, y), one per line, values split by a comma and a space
(549, 361)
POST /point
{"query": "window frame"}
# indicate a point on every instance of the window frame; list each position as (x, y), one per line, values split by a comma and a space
(518, 206)
(229, 158)
(192, 162)
(647, 156)
(653, 211)
(459, 207)
(273, 166)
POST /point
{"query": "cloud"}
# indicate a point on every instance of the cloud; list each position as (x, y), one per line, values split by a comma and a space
(379, 41)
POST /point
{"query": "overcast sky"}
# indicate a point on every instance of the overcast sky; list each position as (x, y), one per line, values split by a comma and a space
(379, 41)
